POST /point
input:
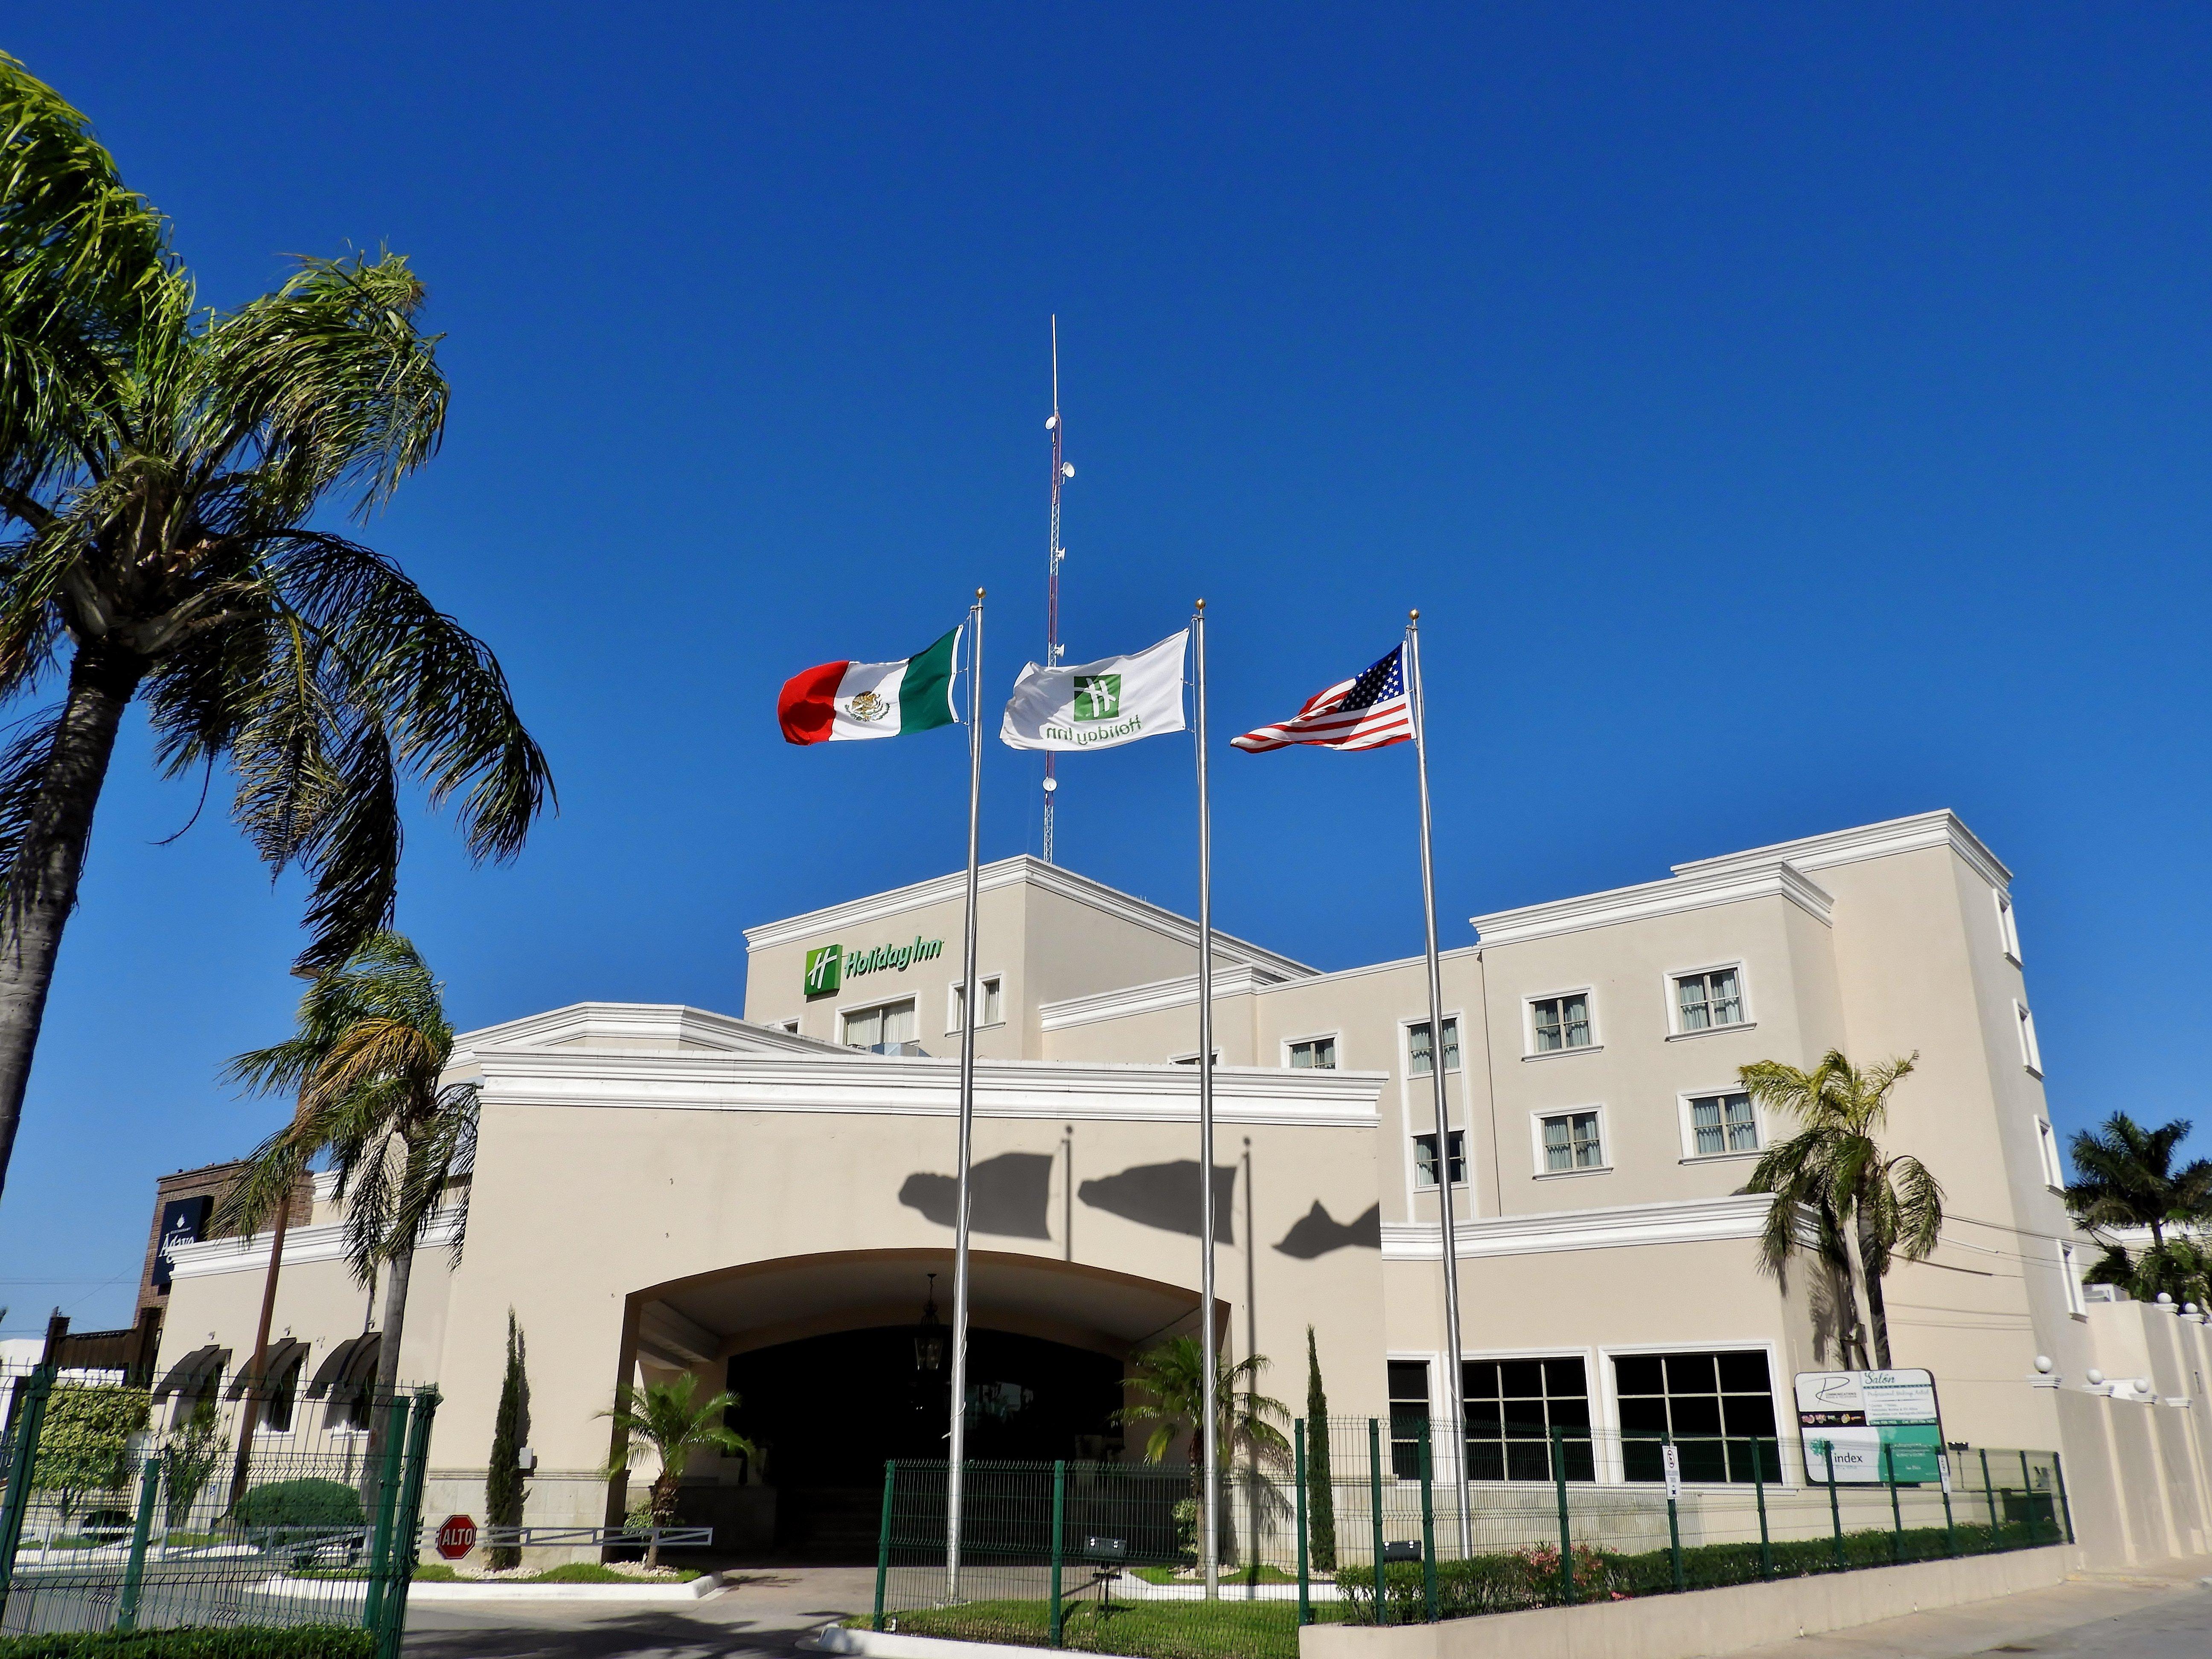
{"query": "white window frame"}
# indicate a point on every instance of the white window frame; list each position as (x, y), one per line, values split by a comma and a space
(952, 1003)
(2069, 1274)
(2031, 1052)
(1609, 1453)
(1413, 1187)
(1412, 1079)
(2046, 1145)
(1536, 1118)
(843, 1014)
(1687, 1122)
(1528, 1048)
(1336, 1038)
(2008, 925)
(1675, 1033)
(1605, 1473)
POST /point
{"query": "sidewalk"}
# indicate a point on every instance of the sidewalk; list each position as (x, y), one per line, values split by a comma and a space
(2163, 1612)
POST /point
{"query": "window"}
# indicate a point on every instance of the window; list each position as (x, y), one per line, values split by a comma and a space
(2070, 1273)
(2008, 927)
(1719, 1407)
(991, 1013)
(1192, 1059)
(1559, 1023)
(1420, 1057)
(1424, 1160)
(2047, 1143)
(1318, 1056)
(283, 1391)
(1705, 1001)
(1722, 1123)
(1513, 1407)
(1571, 1142)
(1409, 1416)
(791, 1026)
(888, 1030)
(2030, 1055)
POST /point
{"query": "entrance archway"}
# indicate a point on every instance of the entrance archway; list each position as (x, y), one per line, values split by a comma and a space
(820, 1352)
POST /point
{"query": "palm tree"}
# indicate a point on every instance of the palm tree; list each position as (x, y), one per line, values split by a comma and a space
(1885, 1204)
(1169, 1382)
(2125, 1178)
(670, 1423)
(163, 464)
(367, 1063)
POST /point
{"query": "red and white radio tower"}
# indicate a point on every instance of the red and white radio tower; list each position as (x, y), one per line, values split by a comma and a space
(1062, 470)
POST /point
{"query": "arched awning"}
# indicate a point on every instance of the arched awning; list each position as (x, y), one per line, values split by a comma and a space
(190, 1374)
(283, 1356)
(348, 1369)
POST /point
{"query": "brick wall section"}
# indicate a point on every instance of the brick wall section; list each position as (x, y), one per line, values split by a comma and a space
(212, 1180)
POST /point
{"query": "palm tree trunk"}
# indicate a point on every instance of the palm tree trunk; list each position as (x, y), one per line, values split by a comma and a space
(396, 1272)
(257, 1375)
(1871, 1266)
(50, 862)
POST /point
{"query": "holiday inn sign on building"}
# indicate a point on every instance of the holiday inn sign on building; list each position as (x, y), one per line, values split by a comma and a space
(829, 966)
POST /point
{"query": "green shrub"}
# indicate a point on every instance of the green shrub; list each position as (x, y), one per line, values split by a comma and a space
(249, 1641)
(308, 1505)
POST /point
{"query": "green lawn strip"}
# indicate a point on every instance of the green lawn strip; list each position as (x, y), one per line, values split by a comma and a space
(1265, 1575)
(1149, 1630)
(244, 1642)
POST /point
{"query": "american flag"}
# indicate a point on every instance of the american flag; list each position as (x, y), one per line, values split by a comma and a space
(1369, 711)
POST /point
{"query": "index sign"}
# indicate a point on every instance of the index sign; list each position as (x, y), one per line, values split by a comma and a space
(1846, 1418)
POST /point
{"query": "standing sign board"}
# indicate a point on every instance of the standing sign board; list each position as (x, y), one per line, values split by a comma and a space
(1846, 1418)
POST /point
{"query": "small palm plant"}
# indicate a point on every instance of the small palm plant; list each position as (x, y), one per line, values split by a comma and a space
(666, 1419)
(1885, 1205)
(2125, 1179)
(1169, 1382)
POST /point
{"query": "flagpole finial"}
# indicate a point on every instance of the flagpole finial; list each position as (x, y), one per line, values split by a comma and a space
(1416, 614)
(1202, 604)
(979, 592)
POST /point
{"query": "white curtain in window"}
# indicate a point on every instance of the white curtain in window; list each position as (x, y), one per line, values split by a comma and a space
(1559, 1145)
(1692, 993)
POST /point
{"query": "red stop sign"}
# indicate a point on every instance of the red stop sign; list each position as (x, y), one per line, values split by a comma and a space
(457, 1537)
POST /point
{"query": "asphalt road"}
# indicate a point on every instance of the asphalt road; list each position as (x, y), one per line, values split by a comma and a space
(2165, 1616)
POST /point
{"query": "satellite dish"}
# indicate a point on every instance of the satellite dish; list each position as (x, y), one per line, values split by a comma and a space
(1050, 422)
(1051, 784)
(1067, 468)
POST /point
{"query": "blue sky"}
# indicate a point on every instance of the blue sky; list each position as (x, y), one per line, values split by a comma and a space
(1784, 418)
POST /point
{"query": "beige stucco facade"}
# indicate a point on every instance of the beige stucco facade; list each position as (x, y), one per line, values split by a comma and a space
(660, 1188)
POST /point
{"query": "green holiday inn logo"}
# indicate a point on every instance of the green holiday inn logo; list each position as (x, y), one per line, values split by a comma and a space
(1098, 696)
(829, 966)
(824, 969)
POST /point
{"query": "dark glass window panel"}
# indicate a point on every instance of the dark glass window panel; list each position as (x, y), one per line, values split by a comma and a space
(1406, 1459)
(1689, 1373)
(1409, 1380)
(1750, 1460)
(1581, 1461)
(1641, 1459)
(1563, 1376)
(1643, 1416)
(1479, 1377)
(1744, 1373)
(1486, 1461)
(1703, 1460)
(1522, 1379)
(1572, 1412)
(1521, 1424)
(1749, 1413)
(1527, 1460)
(1483, 1420)
(1639, 1374)
(1694, 1414)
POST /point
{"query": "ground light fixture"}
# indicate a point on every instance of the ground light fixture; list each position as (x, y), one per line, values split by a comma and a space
(929, 1336)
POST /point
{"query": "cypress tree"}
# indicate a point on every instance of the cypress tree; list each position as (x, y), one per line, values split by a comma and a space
(510, 1433)
(1320, 1491)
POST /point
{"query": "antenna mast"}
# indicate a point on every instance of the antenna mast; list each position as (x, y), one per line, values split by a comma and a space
(1062, 471)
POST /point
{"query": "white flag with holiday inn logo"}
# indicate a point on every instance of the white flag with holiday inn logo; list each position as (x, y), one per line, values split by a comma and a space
(1098, 705)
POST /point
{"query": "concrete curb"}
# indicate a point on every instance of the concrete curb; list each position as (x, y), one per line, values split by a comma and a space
(696, 1590)
(889, 1644)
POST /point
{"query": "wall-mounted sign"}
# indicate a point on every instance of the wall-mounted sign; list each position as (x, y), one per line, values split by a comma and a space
(184, 1221)
(829, 966)
(1847, 1417)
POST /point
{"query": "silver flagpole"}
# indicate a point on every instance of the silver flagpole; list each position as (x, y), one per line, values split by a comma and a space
(956, 1469)
(1456, 1411)
(1208, 1345)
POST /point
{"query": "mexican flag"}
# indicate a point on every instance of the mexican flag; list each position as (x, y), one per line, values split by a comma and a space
(842, 700)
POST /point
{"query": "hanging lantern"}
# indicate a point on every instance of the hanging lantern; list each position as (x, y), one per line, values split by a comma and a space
(929, 1336)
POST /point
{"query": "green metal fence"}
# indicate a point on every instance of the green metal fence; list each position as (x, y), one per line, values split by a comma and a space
(119, 1512)
(1101, 1557)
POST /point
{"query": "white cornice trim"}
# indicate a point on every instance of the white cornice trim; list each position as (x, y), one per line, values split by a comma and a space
(1238, 982)
(1941, 828)
(1731, 884)
(323, 1243)
(1011, 872)
(658, 1024)
(1629, 1226)
(883, 1085)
